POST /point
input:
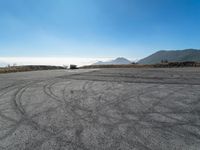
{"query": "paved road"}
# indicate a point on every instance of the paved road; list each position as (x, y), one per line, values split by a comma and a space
(109, 109)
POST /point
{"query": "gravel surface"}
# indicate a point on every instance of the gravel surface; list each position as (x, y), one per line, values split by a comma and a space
(101, 109)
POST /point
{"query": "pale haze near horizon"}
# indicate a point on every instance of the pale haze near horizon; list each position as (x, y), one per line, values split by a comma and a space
(54, 61)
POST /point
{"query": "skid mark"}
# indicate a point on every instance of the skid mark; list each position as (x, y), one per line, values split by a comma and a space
(87, 114)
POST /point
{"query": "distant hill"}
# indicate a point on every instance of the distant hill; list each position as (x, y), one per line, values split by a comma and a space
(117, 61)
(172, 56)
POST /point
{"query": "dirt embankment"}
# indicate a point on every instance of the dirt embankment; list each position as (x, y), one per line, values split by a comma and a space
(28, 68)
(160, 65)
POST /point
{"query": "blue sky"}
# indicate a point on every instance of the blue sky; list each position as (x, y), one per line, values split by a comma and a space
(97, 28)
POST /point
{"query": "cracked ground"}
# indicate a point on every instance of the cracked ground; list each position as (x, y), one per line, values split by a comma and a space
(102, 109)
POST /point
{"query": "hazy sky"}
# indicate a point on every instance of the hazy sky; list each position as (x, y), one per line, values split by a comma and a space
(97, 28)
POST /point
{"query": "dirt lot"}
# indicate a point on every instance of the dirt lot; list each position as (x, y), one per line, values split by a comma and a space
(109, 109)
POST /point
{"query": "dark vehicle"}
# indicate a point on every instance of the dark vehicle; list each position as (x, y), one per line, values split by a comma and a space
(73, 67)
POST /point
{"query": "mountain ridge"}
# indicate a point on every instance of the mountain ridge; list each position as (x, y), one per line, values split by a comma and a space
(117, 61)
(172, 56)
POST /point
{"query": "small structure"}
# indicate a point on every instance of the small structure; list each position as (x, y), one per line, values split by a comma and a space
(73, 66)
(164, 61)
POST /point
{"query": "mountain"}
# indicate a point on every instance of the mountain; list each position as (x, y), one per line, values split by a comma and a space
(172, 56)
(117, 61)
